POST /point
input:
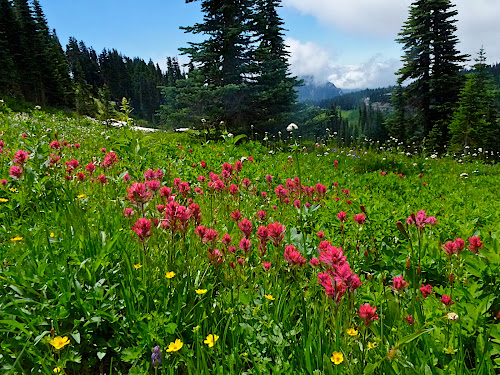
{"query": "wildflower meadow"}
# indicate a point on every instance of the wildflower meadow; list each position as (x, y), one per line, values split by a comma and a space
(125, 252)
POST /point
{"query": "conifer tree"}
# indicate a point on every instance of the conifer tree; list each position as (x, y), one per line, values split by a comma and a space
(28, 53)
(432, 63)
(8, 31)
(223, 59)
(275, 94)
(476, 120)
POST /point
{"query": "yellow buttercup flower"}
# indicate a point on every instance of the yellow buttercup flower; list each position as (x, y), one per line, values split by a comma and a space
(200, 291)
(15, 239)
(3, 200)
(211, 340)
(57, 370)
(80, 196)
(175, 346)
(371, 345)
(352, 332)
(337, 358)
(52, 235)
(13, 190)
(170, 274)
(269, 297)
(137, 266)
(59, 342)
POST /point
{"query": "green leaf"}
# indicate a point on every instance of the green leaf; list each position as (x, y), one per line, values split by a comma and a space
(130, 355)
(76, 336)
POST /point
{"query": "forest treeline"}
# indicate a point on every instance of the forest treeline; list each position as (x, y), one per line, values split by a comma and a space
(238, 78)
(36, 68)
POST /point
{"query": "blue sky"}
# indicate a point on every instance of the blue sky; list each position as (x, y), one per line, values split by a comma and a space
(350, 43)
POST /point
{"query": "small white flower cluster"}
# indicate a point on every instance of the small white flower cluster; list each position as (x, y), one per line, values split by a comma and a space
(452, 316)
(291, 127)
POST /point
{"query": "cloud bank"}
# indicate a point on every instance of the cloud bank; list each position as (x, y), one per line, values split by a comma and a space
(311, 60)
(477, 20)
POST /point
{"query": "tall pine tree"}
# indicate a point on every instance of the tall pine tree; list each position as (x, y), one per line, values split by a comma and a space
(274, 85)
(432, 63)
(476, 120)
(223, 60)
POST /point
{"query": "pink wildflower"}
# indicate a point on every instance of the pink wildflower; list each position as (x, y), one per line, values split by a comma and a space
(426, 290)
(55, 145)
(475, 244)
(138, 193)
(446, 300)
(359, 218)
(399, 283)
(245, 245)
(246, 227)
(142, 228)
(293, 256)
(21, 157)
(342, 216)
(367, 313)
(15, 171)
(128, 212)
(276, 231)
(450, 248)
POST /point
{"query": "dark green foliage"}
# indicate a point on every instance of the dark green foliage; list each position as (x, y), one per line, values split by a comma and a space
(239, 75)
(432, 63)
(125, 77)
(352, 100)
(34, 66)
(475, 121)
(273, 87)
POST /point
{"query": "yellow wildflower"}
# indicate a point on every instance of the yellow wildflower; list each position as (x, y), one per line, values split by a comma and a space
(371, 345)
(211, 340)
(80, 196)
(175, 346)
(52, 234)
(337, 358)
(13, 190)
(137, 266)
(59, 342)
(15, 239)
(170, 274)
(200, 291)
(352, 332)
(57, 370)
(3, 200)
(269, 297)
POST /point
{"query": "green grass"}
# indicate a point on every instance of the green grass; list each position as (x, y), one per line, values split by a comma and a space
(80, 270)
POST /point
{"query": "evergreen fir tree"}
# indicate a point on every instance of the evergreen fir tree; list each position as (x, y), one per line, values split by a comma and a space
(9, 82)
(433, 63)
(223, 59)
(476, 120)
(28, 53)
(274, 86)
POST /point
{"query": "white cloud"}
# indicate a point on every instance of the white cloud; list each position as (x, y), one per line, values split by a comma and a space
(477, 20)
(380, 17)
(374, 73)
(310, 59)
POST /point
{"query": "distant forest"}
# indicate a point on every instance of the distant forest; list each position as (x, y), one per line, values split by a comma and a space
(239, 79)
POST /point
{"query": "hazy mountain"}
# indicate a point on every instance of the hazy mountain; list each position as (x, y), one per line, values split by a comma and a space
(315, 92)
